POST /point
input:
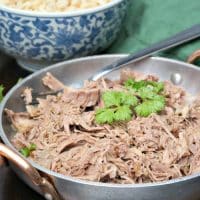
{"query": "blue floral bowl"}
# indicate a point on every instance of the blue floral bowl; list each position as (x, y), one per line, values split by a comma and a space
(39, 39)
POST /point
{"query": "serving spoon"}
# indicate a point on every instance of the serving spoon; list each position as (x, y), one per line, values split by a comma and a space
(173, 41)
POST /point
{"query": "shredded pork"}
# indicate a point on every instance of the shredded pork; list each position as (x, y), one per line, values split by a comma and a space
(27, 95)
(160, 147)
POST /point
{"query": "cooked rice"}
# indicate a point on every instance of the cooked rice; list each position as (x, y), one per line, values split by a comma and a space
(54, 5)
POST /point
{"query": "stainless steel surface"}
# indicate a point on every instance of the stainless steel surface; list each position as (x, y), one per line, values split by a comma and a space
(178, 39)
(186, 188)
(176, 78)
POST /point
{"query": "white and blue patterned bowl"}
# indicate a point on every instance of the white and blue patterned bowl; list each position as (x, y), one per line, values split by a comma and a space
(40, 39)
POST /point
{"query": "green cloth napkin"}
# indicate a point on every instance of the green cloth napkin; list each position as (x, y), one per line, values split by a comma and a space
(150, 21)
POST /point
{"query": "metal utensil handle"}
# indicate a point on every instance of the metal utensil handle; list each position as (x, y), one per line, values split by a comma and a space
(180, 38)
(43, 184)
(194, 56)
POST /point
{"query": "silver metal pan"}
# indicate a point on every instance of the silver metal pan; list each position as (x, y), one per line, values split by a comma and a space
(56, 186)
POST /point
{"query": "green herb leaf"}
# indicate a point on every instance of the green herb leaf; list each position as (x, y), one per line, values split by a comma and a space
(111, 98)
(143, 97)
(146, 93)
(32, 147)
(158, 86)
(123, 113)
(137, 85)
(117, 107)
(128, 99)
(25, 151)
(148, 107)
(1, 92)
(160, 98)
(117, 98)
(104, 115)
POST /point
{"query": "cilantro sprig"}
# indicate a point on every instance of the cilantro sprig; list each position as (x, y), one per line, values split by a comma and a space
(150, 94)
(1, 92)
(142, 99)
(25, 151)
(117, 107)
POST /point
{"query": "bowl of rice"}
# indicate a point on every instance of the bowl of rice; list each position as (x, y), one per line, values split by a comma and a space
(38, 33)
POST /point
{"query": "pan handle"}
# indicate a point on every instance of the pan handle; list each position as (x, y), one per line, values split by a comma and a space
(2, 160)
(42, 183)
(194, 56)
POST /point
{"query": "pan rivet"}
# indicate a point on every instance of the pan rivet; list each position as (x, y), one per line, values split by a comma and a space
(176, 78)
(48, 196)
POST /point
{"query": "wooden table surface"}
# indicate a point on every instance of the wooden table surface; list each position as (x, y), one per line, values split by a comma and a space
(11, 187)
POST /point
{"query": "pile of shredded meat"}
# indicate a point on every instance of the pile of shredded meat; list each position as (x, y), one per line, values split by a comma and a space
(160, 147)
